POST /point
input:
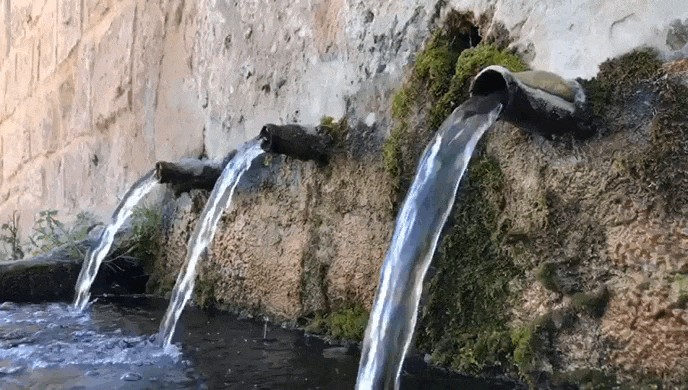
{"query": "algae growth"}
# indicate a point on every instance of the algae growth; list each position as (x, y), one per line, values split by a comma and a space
(347, 323)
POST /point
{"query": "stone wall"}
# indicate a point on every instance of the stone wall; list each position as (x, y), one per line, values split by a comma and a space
(93, 92)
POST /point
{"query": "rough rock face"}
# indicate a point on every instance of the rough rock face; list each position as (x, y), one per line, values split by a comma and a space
(589, 237)
(297, 240)
(93, 92)
(563, 262)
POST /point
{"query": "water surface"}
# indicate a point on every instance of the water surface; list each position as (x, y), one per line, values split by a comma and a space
(109, 346)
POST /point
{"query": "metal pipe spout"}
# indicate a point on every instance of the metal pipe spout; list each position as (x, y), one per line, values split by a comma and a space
(537, 101)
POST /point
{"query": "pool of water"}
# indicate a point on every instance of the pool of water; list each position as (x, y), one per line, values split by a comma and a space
(112, 346)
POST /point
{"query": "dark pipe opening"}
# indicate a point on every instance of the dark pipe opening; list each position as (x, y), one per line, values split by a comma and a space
(295, 141)
(490, 81)
(266, 138)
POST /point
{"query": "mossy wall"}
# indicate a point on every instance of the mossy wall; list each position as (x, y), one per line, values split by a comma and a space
(534, 253)
(553, 248)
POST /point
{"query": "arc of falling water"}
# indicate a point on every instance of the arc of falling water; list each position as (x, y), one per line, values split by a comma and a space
(95, 255)
(220, 198)
(425, 210)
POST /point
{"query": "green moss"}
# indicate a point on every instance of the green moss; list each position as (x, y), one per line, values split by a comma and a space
(401, 103)
(586, 379)
(546, 274)
(435, 65)
(347, 323)
(469, 63)
(618, 79)
(204, 293)
(439, 82)
(466, 323)
(392, 156)
(592, 303)
(146, 236)
(524, 348)
(531, 344)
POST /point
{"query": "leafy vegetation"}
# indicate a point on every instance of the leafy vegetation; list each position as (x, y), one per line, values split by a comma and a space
(47, 233)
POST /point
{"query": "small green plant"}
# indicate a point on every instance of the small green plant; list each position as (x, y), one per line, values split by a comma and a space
(338, 130)
(10, 238)
(146, 234)
(50, 233)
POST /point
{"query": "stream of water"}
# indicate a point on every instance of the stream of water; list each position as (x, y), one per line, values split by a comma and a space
(95, 255)
(423, 214)
(220, 198)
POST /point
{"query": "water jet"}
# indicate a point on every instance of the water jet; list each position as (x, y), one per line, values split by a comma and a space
(535, 101)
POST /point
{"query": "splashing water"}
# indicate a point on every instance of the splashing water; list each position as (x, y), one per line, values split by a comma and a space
(425, 210)
(95, 255)
(220, 199)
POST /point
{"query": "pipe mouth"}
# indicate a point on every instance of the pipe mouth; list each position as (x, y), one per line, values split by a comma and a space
(542, 85)
(265, 137)
(536, 101)
(491, 80)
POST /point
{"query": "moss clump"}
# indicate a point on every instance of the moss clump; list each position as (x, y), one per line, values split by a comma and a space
(546, 274)
(204, 293)
(469, 63)
(435, 64)
(593, 303)
(531, 344)
(466, 323)
(618, 79)
(347, 323)
(392, 156)
(586, 379)
(524, 348)
(440, 81)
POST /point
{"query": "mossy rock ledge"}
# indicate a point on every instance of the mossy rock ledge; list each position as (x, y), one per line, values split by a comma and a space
(40, 279)
(562, 265)
(563, 261)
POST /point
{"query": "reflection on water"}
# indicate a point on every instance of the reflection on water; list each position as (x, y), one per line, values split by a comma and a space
(111, 346)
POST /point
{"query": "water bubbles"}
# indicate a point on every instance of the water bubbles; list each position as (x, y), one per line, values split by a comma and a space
(131, 377)
(10, 370)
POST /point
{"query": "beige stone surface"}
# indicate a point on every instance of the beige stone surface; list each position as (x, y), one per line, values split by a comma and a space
(167, 79)
(300, 239)
(91, 94)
